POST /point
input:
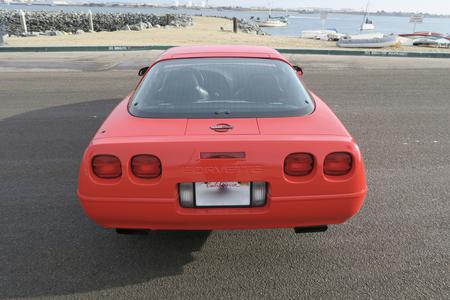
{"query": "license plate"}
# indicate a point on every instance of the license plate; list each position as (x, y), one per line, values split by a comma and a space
(222, 193)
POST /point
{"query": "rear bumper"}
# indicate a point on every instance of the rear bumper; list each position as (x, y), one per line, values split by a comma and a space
(166, 214)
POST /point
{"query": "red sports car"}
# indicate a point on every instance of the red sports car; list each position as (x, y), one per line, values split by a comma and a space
(221, 137)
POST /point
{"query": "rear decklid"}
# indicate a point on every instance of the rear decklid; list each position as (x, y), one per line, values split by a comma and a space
(247, 126)
(320, 122)
(122, 124)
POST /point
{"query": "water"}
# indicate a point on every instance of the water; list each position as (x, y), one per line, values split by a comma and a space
(346, 23)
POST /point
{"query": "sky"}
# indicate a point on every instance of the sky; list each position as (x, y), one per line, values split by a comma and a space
(429, 6)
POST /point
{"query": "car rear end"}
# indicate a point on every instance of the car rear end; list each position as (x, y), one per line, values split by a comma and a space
(223, 162)
(272, 180)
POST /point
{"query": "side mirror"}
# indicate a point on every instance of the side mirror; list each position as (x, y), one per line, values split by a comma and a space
(299, 70)
(143, 71)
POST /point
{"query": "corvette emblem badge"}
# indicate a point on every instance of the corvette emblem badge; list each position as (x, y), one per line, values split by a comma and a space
(222, 127)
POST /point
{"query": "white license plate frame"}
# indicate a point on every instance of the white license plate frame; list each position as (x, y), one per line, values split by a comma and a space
(223, 194)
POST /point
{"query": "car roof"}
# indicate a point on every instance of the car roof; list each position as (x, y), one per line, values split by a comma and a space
(221, 51)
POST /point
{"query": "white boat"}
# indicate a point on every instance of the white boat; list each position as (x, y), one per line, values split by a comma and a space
(271, 22)
(425, 42)
(367, 24)
(444, 43)
(336, 36)
(372, 42)
(405, 41)
(316, 34)
(366, 36)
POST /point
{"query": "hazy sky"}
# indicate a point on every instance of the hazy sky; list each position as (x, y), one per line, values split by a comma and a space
(432, 6)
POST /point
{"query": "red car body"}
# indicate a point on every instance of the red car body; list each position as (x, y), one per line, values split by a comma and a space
(128, 201)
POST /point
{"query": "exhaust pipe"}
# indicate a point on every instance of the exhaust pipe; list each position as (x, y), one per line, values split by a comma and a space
(130, 231)
(311, 229)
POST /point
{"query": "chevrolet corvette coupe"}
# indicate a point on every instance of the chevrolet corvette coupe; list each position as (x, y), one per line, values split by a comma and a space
(221, 137)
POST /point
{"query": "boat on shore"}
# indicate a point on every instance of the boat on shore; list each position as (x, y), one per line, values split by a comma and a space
(336, 36)
(368, 41)
(425, 42)
(430, 39)
(441, 43)
(365, 36)
(429, 35)
(317, 34)
(405, 41)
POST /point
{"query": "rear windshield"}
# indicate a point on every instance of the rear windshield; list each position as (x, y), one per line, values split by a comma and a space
(221, 88)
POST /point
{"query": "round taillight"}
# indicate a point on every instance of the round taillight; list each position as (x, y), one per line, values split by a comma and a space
(338, 164)
(299, 164)
(106, 166)
(146, 166)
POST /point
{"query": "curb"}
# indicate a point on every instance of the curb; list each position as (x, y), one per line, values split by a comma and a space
(285, 51)
(367, 53)
(82, 48)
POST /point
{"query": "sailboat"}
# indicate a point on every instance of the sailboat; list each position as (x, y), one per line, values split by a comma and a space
(367, 24)
(272, 21)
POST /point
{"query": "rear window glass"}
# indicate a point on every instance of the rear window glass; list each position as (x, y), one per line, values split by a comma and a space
(221, 88)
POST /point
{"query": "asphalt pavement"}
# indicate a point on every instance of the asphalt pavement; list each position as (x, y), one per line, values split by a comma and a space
(398, 109)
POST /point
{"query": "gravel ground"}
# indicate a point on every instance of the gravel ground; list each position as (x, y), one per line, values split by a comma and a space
(396, 247)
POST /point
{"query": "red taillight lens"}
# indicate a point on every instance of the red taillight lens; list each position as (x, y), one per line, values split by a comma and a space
(106, 166)
(298, 164)
(146, 166)
(338, 164)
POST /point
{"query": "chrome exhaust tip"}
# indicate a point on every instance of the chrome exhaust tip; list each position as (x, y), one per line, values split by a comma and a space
(311, 229)
(130, 231)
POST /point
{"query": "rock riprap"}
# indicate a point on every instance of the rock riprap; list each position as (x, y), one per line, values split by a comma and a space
(49, 22)
(250, 27)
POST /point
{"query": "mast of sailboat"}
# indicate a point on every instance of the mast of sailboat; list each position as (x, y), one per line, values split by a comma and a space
(365, 14)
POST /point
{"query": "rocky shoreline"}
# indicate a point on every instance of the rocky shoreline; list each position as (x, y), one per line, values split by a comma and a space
(250, 27)
(58, 23)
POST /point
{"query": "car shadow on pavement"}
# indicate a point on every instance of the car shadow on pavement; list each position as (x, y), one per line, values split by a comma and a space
(48, 246)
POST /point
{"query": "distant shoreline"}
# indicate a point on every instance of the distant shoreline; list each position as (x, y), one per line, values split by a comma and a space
(204, 31)
(228, 8)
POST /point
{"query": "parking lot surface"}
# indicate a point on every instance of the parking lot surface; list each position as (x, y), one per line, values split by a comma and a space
(398, 110)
